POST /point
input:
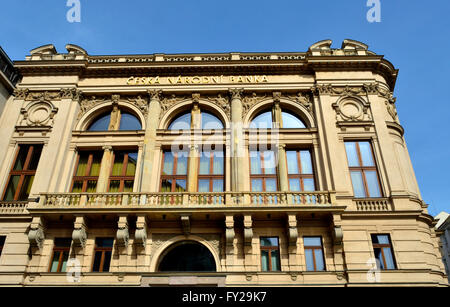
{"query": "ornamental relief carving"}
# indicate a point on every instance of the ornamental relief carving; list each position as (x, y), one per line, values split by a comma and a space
(251, 100)
(38, 114)
(351, 109)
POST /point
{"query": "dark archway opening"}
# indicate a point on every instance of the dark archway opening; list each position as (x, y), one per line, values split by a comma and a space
(187, 256)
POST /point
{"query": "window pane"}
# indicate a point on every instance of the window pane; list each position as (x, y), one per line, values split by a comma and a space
(381, 239)
(209, 121)
(309, 260)
(218, 185)
(97, 260)
(372, 183)
(205, 163)
(96, 162)
(275, 255)
(168, 163)
(203, 185)
(82, 164)
(55, 262)
(77, 187)
(308, 185)
(132, 162)
(180, 185)
(269, 242)
(378, 255)
(294, 185)
(166, 185)
(101, 123)
(64, 261)
(91, 186)
(312, 241)
(182, 164)
(21, 157)
(262, 121)
(292, 162)
(271, 185)
(26, 187)
(104, 242)
(265, 260)
(352, 155)
(218, 163)
(305, 157)
(291, 121)
(358, 185)
(129, 122)
(366, 154)
(389, 259)
(269, 162)
(114, 186)
(128, 186)
(320, 265)
(107, 261)
(182, 122)
(37, 150)
(118, 163)
(255, 163)
(256, 185)
(12, 187)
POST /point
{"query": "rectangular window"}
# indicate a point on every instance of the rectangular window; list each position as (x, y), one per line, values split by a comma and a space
(60, 256)
(174, 174)
(363, 170)
(270, 254)
(22, 173)
(382, 249)
(2, 243)
(123, 169)
(263, 174)
(314, 254)
(102, 254)
(87, 171)
(300, 173)
(211, 174)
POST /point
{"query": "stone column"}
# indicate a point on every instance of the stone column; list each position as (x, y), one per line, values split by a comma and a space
(282, 168)
(105, 169)
(237, 141)
(149, 151)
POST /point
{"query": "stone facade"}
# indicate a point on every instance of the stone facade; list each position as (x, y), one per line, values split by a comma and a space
(341, 95)
(8, 78)
(443, 231)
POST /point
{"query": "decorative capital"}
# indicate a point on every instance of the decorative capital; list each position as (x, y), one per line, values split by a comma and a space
(276, 97)
(155, 94)
(236, 93)
(107, 148)
(195, 97)
(115, 99)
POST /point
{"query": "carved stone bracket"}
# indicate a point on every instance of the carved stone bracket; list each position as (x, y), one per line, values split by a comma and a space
(186, 224)
(122, 235)
(140, 236)
(36, 234)
(79, 234)
(337, 230)
(292, 230)
(248, 230)
(229, 229)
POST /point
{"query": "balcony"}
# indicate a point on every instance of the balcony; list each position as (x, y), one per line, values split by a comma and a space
(184, 201)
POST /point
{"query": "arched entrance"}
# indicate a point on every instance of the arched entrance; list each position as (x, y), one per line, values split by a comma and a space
(187, 256)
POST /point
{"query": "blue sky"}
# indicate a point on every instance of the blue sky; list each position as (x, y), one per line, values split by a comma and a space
(414, 35)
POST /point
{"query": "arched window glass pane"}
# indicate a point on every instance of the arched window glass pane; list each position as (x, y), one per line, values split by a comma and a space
(182, 122)
(210, 122)
(129, 122)
(291, 121)
(262, 121)
(101, 123)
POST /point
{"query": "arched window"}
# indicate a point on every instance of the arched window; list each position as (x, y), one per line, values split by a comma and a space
(291, 121)
(210, 122)
(265, 120)
(127, 122)
(182, 122)
(262, 121)
(188, 256)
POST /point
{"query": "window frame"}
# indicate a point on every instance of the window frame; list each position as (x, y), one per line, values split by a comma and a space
(301, 176)
(85, 179)
(381, 246)
(60, 250)
(270, 249)
(263, 176)
(103, 251)
(2, 244)
(173, 177)
(361, 168)
(123, 177)
(25, 172)
(211, 177)
(313, 249)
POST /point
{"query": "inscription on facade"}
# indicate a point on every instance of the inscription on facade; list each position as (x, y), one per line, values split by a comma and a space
(197, 80)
